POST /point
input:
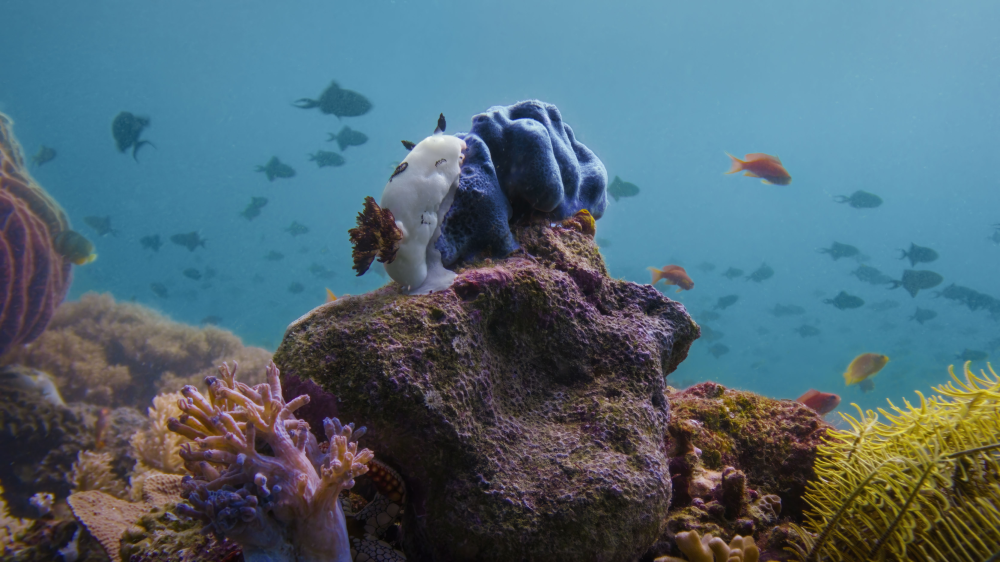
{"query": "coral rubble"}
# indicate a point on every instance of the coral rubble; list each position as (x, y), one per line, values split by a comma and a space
(111, 353)
(524, 407)
(35, 275)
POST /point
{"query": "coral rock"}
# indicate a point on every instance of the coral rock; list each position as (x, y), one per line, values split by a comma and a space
(106, 517)
(524, 408)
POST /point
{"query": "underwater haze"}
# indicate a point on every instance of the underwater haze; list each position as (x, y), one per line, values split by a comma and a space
(891, 99)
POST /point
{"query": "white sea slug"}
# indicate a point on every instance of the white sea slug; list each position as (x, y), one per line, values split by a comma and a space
(419, 193)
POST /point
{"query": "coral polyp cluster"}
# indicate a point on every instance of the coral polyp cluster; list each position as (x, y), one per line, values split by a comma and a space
(261, 478)
(925, 486)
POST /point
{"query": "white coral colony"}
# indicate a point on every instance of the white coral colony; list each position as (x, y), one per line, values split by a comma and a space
(419, 193)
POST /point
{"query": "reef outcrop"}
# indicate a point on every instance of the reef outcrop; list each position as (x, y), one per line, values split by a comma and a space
(524, 406)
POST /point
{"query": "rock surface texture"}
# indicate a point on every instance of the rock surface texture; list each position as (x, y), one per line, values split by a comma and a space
(524, 407)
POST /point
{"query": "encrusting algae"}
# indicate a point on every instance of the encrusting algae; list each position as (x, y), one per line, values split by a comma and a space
(925, 486)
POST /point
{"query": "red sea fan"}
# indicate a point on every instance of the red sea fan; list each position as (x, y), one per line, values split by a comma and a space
(34, 277)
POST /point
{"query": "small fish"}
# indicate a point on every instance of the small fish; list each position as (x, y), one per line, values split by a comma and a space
(972, 355)
(276, 169)
(192, 273)
(762, 273)
(806, 330)
(913, 281)
(211, 320)
(718, 350)
(860, 200)
(870, 275)
(321, 271)
(883, 306)
(71, 245)
(101, 225)
(918, 254)
(733, 273)
(189, 240)
(296, 288)
(619, 189)
(838, 250)
(780, 310)
(44, 154)
(866, 385)
(253, 209)
(324, 158)
(159, 289)
(330, 297)
(297, 229)
(151, 242)
(822, 402)
(844, 301)
(764, 166)
(348, 137)
(864, 366)
(274, 256)
(709, 316)
(674, 275)
(725, 302)
(101, 427)
(126, 129)
(922, 315)
(603, 242)
(706, 267)
(709, 334)
(338, 101)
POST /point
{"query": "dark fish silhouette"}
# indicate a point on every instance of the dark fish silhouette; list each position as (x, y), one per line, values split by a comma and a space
(710, 335)
(762, 273)
(275, 169)
(159, 289)
(101, 225)
(918, 254)
(869, 274)
(619, 189)
(44, 154)
(922, 315)
(733, 273)
(274, 256)
(321, 271)
(806, 330)
(972, 355)
(253, 209)
(348, 137)
(882, 306)
(913, 281)
(780, 310)
(211, 320)
(860, 200)
(338, 101)
(324, 158)
(297, 229)
(843, 301)
(192, 273)
(970, 298)
(603, 242)
(190, 240)
(296, 288)
(725, 302)
(151, 242)
(73, 246)
(718, 350)
(126, 129)
(839, 250)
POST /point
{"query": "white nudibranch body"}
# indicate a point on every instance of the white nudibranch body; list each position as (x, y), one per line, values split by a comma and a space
(419, 193)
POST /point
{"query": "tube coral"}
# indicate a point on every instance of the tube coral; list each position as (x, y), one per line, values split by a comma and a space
(261, 477)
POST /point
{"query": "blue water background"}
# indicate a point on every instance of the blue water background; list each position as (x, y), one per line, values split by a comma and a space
(896, 99)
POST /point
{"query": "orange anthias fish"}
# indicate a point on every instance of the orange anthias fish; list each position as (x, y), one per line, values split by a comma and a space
(864, 366)
(675, 275)
(822, 402)
(101, 427)
(763, 166)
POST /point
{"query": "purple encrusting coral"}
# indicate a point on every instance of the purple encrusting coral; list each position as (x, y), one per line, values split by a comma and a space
(524, 407)
(520, 160)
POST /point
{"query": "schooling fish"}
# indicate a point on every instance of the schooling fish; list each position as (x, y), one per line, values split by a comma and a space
(74, 247)
(718, 350)
(620, 188)
(101, 225)
(972, 355)
(844, 301)
(151, 242)
(918, 254)
(822, 402)
(864, 366)
(709, 334)
(192, 273)
(276, 169)
(324, 158)
(253, 209)
(806, 330)
(338, 101)
(159, 289)
(44, 154)
(725, 302)
(764, 166)
(126, 129)
(860, 200)
(922, 315)
(674, 275)
(297, 229)
(869, 274)
(733, 273)
(348, 137)
(838, 250)
(189, 240)
(296, 288)
(913, 281)
(762, 273)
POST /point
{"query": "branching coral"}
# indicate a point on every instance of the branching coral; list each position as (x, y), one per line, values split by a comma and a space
(925, 486)
(110, 353)
(375, 236)
(157, 447)
(261, 477)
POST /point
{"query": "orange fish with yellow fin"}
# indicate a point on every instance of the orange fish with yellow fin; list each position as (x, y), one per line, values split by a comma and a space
(758, 165)
(675, 275)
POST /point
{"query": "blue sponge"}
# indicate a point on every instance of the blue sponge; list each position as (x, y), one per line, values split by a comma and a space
(521, 159)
